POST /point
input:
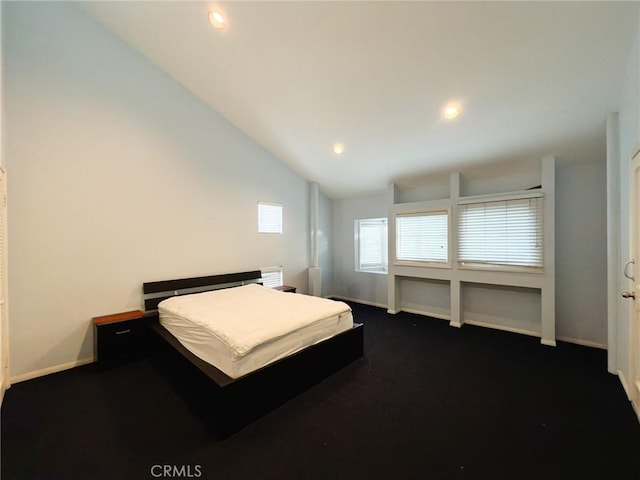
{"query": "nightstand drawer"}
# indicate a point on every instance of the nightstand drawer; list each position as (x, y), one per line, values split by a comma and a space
(119, 340)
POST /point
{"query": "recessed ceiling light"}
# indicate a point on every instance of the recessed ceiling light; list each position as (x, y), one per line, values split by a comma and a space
(451, 111)
(338, 149)
(216, 19)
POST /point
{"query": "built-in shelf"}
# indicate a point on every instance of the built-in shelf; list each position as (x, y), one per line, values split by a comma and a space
(457, 275)
(537, 193)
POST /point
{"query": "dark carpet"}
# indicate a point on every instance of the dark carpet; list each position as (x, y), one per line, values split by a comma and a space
(427, 402)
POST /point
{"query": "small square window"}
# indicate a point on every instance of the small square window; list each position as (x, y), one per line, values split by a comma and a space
(269, 217)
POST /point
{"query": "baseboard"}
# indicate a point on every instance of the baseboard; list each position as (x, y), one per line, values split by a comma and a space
(584, 343)
(49, 370)
(416, 311)
(478, 323)
(504, 328)
(356, 300)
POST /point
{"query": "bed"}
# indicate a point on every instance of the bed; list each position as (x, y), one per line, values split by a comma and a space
(247, 347)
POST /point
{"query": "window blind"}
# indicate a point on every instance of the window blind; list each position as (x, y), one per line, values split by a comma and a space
(423, 237)
(508, 232)
(269, 217)
(272, 276)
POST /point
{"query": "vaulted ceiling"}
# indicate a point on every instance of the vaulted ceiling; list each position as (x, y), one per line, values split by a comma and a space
(531, 78)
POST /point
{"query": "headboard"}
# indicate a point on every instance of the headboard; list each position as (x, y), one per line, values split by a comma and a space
(155, 292)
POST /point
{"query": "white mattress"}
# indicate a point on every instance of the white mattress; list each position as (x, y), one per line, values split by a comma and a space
(241, 329)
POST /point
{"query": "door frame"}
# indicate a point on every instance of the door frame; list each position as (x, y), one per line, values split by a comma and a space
(4, 309)
(634, 306)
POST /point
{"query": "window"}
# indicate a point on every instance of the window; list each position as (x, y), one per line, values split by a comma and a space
(272, 276)
(371, 245)
(269, 217)
(501, 233)
(423, 237)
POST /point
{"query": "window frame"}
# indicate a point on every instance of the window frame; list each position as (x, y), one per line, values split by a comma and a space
(379, 269)
(424, 263)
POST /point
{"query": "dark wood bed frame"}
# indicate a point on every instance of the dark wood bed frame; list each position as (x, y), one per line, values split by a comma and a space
(229, 404)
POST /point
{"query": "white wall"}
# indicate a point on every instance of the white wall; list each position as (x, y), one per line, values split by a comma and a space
(580, 264)
(581, 248)
(117, 175)
(347, 283)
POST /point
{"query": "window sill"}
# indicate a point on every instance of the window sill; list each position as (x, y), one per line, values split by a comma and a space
(501, 268)
(404, 263)
(377, 272)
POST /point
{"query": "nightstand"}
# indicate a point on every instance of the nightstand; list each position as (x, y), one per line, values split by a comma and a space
(285, 288)
(119, 337)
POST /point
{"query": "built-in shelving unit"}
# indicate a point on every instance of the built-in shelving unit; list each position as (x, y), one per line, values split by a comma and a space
(456, 275)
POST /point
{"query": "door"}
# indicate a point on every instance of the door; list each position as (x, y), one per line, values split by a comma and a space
(632, 271)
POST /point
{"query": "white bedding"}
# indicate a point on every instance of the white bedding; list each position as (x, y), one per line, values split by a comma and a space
(241, 329)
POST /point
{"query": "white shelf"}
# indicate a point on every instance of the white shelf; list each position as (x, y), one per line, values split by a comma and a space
(456, 275)
(489, 197)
